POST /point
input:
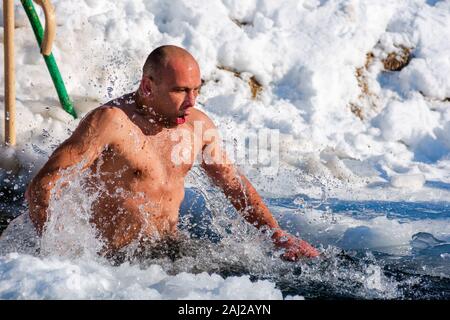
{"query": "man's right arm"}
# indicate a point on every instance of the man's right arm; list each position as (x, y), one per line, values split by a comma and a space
(84, 145)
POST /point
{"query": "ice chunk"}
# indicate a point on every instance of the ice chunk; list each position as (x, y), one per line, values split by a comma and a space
(423, 240)
(408, 181)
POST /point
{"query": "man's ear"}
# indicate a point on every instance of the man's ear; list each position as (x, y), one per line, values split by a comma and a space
(146, 87)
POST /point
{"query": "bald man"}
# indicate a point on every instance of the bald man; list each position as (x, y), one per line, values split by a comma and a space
(128, 144)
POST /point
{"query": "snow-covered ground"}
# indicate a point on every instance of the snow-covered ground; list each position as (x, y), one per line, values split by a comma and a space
(320, 64)
(358, 91)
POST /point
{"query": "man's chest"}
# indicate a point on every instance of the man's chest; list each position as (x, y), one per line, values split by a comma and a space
(166, 155)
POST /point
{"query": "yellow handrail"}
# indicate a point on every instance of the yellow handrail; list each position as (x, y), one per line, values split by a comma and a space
(50, 26)
(10, 80)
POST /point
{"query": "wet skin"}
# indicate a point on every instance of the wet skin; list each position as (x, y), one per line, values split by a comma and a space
(151, 185)
(128, 145)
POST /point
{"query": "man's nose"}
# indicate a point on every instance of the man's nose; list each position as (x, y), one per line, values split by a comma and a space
(190, 98)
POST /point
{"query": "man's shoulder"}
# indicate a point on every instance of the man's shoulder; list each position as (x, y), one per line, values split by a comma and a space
(104, 115)
(198, 115)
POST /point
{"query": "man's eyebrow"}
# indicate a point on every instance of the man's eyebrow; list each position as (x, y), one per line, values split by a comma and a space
(184, 88)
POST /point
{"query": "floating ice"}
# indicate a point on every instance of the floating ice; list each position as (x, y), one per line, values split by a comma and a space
(408, 181)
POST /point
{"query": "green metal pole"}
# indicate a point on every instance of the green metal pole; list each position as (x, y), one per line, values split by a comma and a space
(64, 99)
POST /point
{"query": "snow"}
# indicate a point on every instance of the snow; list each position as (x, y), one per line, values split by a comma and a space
(28, 277)
(304, 54)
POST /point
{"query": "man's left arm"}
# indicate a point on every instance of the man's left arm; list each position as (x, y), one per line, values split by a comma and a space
(246, 199)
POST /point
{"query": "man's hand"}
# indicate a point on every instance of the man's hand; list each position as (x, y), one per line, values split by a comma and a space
(294, 247)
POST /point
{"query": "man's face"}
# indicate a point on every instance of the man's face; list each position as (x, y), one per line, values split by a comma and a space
(177, 90)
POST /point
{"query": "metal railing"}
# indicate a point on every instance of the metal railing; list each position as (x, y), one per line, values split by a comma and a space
(45, 41)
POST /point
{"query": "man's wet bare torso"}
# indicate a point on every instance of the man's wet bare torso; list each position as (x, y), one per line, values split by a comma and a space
(140, 188)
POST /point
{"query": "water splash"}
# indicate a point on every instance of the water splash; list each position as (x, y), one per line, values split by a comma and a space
(217, 240)
(68, 232)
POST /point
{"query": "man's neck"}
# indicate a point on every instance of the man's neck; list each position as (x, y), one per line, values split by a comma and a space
(148, 113)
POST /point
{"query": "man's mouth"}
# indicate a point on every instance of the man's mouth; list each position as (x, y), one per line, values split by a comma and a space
(181, 119)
